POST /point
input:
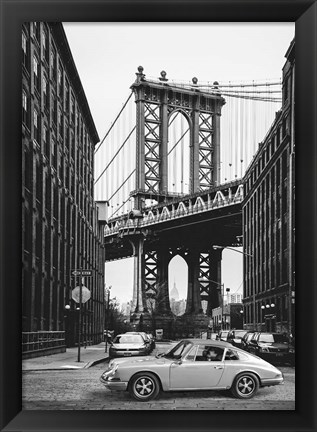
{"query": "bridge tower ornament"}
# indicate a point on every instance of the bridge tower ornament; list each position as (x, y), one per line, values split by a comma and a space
(156, 101)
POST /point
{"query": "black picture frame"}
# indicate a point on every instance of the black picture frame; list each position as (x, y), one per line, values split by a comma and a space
(304, 14)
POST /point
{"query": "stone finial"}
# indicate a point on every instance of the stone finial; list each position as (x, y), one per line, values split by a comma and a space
(140, 75)
(163, 76)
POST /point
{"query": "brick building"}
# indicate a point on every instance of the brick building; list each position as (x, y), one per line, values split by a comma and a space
(61, 231)
(268, 220)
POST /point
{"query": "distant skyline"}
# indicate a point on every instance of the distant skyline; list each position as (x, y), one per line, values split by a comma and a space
(107, 56)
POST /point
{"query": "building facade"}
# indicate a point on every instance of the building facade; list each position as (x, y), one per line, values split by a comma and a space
(61, 231)
(268, 221)
(228, 317)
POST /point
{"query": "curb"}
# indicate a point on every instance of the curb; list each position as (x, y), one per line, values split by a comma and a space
(94, 362)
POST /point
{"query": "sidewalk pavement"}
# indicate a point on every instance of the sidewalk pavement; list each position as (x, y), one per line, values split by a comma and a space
(68, 360)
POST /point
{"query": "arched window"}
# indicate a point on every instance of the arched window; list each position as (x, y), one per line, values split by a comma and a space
(178, 153)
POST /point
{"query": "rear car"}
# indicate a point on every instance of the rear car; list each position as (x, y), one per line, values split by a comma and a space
(235, 337)
(245, 341)
(223, 335)
(272, 347)
(127, 345)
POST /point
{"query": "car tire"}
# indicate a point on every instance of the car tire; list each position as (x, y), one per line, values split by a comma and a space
(144, 386)
(245, 385)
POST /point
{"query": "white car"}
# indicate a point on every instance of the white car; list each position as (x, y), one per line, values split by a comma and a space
(192, 364)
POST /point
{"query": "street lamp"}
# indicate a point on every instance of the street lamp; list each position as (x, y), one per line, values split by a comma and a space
(246, 254)
(107, 292)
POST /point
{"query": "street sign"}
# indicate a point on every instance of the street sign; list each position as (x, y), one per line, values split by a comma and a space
(82, 272)
(85, 295)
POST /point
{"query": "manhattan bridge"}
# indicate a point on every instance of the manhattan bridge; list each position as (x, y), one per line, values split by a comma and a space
(170, 169)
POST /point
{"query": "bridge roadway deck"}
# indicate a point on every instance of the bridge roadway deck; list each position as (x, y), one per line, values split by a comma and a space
(210, 217)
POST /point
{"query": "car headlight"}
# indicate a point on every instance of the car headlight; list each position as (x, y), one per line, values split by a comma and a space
(143, 348)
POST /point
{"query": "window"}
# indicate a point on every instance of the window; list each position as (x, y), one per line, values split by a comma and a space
(209, 353)
(54, 108)
(60, 81)
(45, 92)
(45, 44)
(36, 72)
(25, 108)
(25, 51)
(45, 137)
(66, 95)
(36, 31)
(53, 63)
(36, 125)
(72, 110)
(231, 355)
(60, 122)
(54, 153)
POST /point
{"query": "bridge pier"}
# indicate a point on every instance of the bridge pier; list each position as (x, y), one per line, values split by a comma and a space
(193, 304)
(214, 300)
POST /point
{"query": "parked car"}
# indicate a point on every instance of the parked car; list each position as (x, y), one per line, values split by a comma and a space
(125, 345)
(222, 335)
(245, 341)
(235, 337)
(146, 338)
(187, 367)
(273, 347)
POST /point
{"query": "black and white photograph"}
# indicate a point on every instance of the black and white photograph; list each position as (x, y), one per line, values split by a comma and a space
(158, 216)
(158, 219)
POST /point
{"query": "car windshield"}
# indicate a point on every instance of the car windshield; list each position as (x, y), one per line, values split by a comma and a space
(178, 350)
(239, 333)
(128, 338)
(271, 338)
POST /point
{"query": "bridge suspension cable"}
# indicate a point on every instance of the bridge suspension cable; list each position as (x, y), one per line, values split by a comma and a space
(112, 125)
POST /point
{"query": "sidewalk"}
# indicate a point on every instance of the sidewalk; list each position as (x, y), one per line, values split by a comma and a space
(68, 360)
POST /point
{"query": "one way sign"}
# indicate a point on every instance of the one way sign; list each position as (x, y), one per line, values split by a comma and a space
(82, 272)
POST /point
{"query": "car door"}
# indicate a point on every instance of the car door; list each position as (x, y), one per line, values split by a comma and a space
(195, 371)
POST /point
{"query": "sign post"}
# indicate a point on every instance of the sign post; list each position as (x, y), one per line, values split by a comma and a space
(80, 294)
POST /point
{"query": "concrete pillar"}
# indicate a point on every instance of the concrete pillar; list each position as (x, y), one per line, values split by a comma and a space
(163, 303)
(215, 300)
(193, 295)
(138, 274)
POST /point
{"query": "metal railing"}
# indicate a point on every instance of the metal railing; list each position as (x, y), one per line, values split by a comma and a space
(42, 340)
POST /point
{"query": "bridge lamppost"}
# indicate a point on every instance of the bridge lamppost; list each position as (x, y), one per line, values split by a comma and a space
(245, 254)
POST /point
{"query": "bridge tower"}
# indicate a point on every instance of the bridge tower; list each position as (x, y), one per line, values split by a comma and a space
(156, 101)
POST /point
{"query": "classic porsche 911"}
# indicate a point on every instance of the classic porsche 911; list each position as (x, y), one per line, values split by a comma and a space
(192, 364)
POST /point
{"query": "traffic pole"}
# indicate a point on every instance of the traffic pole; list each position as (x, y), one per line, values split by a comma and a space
(79, 315)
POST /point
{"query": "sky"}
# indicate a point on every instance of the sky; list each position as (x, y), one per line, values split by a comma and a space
(107, 56)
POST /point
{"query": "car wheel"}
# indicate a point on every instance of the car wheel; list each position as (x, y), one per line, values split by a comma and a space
(245, 386)
(144, 386)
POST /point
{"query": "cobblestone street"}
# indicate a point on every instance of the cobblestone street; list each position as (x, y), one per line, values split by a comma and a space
(81, 390)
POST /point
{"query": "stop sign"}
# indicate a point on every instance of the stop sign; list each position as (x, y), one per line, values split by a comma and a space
(85, 296)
